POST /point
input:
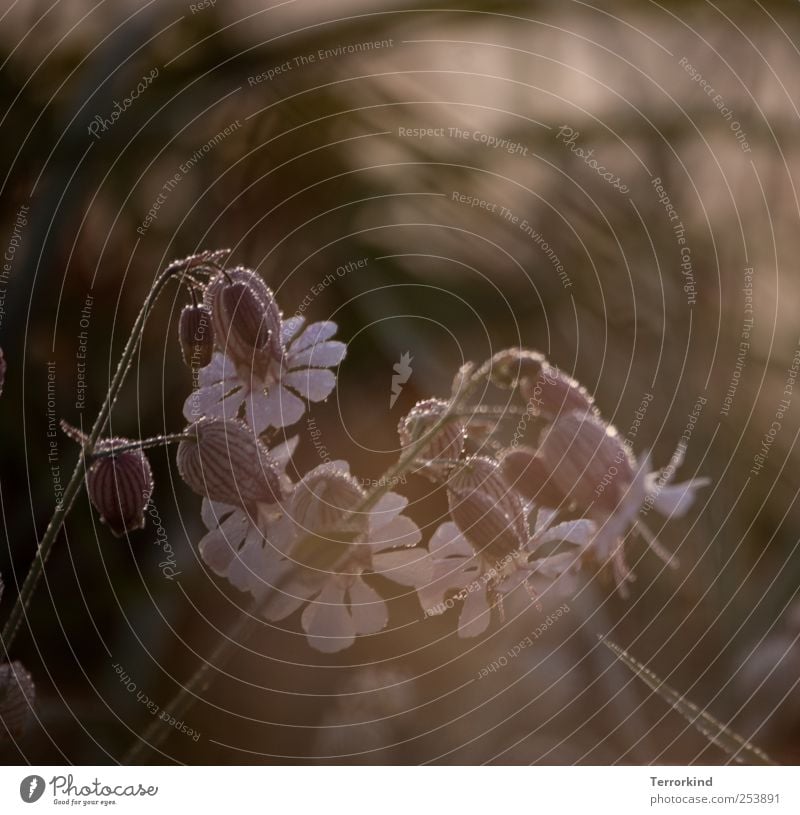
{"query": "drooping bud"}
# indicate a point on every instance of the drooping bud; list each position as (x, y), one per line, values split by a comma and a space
(2, 371)
(224, 461)
(246, 318)
(527, 474)
(587, 461)
(551, 393)
(119, 486)
(323, 498)
(17, 696)
(444, 447)
(514, 364)
(488, 512)
(196, 335)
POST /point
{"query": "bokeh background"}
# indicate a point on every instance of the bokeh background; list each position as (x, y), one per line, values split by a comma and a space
(304, 169)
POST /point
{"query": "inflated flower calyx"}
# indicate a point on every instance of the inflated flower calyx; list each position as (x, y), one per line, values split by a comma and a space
(551, 393)
(490, 514)
(444, 447)
(587, 461)
(527, 473)
(323, 498)
(17, 696)
(246, 318)
(514, 364)
(119, 486)
(224, 461)
(196, 335)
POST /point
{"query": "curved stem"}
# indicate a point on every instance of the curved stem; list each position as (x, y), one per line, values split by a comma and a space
(143, 444)
(188, 694)
(76, 480)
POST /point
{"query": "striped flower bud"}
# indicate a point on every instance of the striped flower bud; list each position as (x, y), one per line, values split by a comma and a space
(2, 371)
(527, 474)
(196, 335)
(119, 486)
(587, 461)
(224, 461)
(444, 447)
(551, 393)
(323, 498)
(246, 318)
(488, 512)
(17, 695)
(514, 364)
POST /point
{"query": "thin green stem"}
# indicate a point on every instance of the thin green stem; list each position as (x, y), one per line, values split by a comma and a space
(76, 480)
(144, 444)
(188, 694)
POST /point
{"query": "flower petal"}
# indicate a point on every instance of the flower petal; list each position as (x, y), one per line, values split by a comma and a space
(327, 620)
(281, 408)
(214, 512)
(475, 615)
(313, 335)
(409, 567)
(675, 500)
(322, 355)
(367, 608)
(315, 384)
(401, 532)
(389, 506)
(579, 532)
(447, 541)
(291, 327)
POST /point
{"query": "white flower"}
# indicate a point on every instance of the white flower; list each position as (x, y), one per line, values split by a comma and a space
(323, 569)
(271, 394)
(482, 583)
(239, 541)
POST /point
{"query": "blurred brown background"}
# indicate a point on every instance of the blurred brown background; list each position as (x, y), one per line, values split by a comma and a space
(307, 168)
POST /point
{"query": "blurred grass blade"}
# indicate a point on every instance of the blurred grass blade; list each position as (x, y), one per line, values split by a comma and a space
(714, 730)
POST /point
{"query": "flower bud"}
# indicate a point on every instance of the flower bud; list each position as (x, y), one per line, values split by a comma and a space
(514, 364)
(444, 447)
(246, 318)
(224, 461)
(527, 474)
(550, 393)
(323, 498)
(488, 512)
(119, 486)
(17, 695)
(587, 460)
(196, 335)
